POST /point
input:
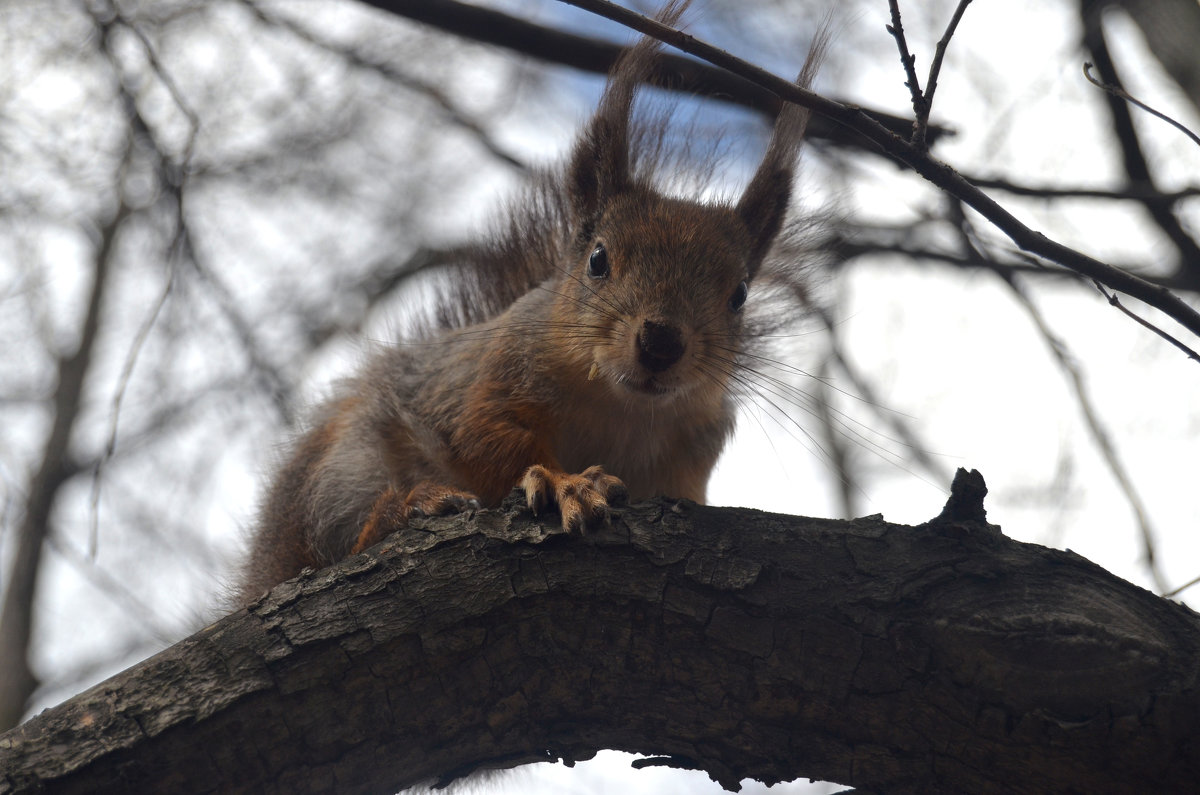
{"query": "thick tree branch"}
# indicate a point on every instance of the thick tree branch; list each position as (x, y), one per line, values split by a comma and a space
(490, 26)
(939, 658)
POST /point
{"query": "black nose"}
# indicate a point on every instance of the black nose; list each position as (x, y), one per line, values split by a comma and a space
(659, 346)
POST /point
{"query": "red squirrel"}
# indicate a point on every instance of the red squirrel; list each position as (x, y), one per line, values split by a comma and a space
(599, 345)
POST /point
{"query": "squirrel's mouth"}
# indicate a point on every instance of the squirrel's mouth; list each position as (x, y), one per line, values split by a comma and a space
(639, 381)
(652, 388)
(648, 386)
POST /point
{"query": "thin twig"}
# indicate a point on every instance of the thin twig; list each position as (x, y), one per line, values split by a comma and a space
(1115, 301)
(920, 106)
(1121, 93)
(846, 250)
(917, 450)
(834, 442)
(1139, 193)
(922, 101)
(452, 112)
(1099, 434)
(174, 179)
(935, 69)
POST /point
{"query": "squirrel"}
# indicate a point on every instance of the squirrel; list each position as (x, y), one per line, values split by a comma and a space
(596, 346)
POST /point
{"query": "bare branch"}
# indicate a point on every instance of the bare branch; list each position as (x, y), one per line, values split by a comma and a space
(922, 101)
(595, 55)
(1132, 192)
(1189, 584)
(935, 69)
(937, 172)
(920, 106)
(1121, 93)
(1137, 168)
(1114, 301)
(172, 180)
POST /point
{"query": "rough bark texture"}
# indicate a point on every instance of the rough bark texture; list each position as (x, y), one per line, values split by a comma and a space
(938, 658)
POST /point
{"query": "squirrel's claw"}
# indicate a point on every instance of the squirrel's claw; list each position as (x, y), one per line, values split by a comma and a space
(390, 512)
(582, 499)
(433, 499)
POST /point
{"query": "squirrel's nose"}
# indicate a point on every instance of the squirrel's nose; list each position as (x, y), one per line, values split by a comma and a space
(659, 346)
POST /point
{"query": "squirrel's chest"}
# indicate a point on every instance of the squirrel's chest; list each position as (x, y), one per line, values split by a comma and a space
(616, 441)
(656, 448)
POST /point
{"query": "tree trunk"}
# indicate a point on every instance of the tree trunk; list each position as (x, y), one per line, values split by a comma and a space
(937, 658)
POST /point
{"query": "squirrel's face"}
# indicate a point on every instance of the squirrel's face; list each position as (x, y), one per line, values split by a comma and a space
(654, 298)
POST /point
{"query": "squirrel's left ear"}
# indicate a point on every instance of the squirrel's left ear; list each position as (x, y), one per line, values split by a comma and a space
(763, 206)
(599, 165)
(765, 202)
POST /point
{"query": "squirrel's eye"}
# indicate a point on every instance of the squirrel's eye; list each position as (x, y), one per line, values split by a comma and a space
(598, 267)
(738, 299)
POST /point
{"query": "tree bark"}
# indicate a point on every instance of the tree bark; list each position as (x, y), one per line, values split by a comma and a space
(939, 658)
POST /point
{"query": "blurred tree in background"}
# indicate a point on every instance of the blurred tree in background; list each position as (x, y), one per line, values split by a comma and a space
(206, 207)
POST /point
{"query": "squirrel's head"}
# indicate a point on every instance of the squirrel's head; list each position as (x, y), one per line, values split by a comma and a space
(655, 291)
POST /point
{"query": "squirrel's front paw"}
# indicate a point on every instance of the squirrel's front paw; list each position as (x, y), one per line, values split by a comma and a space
(390, 512)
(582, 499)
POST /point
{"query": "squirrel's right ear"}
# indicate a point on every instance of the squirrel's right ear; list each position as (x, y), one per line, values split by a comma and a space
(599, 165)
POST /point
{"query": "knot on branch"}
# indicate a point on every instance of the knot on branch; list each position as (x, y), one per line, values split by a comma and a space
(966, 500)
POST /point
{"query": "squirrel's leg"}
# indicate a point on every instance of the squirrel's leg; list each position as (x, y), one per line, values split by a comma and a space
(502, 440)
(390, 512)
(582, 499)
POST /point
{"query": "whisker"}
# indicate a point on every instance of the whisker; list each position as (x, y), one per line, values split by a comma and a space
(770, 391)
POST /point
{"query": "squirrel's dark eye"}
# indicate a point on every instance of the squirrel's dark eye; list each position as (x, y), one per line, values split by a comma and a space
(598, 267)
(738, 299)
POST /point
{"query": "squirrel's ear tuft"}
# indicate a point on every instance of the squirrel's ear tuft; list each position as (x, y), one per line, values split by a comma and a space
(762, 209)
(765, 202)
(599, 164)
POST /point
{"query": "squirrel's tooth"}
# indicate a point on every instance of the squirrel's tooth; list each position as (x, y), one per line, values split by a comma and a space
(593, 372)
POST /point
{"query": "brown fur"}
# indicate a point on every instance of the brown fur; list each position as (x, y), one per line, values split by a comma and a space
(623, 369)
